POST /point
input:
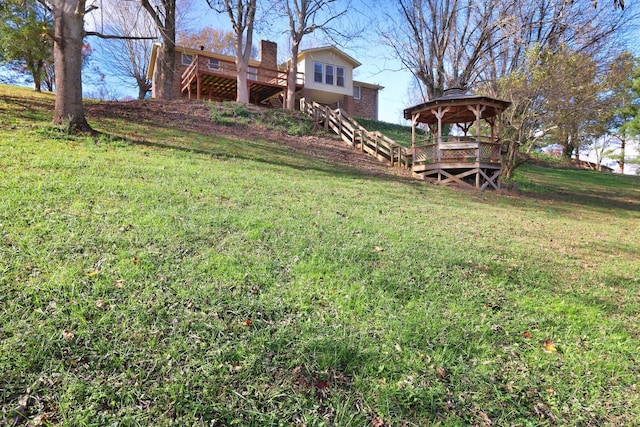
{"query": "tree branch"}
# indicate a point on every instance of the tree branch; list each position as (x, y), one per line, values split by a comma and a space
(113, 36)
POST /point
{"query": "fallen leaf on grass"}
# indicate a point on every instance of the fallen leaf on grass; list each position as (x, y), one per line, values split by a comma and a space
(376, 422)
(485, 418)
(92, 273)
(67, 335)
(526, 334)
(100, 304)
(119, 283)
(379, 249)
(549, 347)
(135, 260)
(248, 322)
(322, 385)
(125, 228)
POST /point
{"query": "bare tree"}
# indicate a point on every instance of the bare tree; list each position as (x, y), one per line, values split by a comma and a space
(447, 43)
(163, 13)
(241, 14)
(440, 41)
(306, 17)
(128, 59)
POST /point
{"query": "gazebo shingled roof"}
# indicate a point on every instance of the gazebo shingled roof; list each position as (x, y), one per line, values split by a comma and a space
(457, 101)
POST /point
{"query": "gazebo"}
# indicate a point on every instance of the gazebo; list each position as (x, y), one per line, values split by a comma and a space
(462, 139)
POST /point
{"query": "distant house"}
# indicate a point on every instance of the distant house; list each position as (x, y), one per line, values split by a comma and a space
(325, 76)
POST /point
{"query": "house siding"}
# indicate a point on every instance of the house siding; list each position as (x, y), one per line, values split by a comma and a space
(327, 58)
(367, 105)
(177, 77)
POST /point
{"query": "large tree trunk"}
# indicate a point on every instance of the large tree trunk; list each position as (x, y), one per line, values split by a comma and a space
(243, 53)
(292, 76)
(242, 95)
(67, 56)
(165, 70)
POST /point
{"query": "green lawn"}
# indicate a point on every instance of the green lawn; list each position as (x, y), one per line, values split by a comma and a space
(177, 280)
(400, 134)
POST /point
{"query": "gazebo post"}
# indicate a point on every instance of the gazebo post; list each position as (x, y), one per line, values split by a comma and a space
(439, 113)
(414, 123)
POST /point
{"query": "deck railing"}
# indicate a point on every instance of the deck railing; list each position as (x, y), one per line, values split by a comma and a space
(212, 66)
(349, 130)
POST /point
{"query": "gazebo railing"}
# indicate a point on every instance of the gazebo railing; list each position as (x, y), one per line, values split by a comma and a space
(459, 150)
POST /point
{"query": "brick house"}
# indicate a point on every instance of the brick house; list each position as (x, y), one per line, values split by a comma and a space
(328, 79)
(325, 76)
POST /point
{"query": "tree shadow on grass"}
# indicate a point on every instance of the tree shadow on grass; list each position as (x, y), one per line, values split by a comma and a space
(599, 201)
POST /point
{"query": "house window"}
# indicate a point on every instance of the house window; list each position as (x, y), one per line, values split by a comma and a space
(317, 72)
(340, 76)
(252, 73)
(328, 74)
(214, 64)
(356, 92)
(187, 59)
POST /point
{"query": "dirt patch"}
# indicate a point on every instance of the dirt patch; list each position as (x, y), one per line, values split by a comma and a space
(196, 116)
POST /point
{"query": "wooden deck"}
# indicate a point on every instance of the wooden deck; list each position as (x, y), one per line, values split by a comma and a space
(216, 80)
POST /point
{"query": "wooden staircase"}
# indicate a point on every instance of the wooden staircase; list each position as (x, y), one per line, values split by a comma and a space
(349, 130)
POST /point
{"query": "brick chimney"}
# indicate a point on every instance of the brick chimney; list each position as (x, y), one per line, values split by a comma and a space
(268, 54)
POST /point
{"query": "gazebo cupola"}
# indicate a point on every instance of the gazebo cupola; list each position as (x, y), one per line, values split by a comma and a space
(462, 139)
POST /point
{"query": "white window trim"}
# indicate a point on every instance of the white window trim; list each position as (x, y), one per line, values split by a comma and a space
(321, 77)
(315, 73)
(359, 92)
(328, 67)
(344, 76)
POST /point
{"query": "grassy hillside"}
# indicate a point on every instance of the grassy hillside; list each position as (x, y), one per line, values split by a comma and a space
(158, 276)
(399, 133)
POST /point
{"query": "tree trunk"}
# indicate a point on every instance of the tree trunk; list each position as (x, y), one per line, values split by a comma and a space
(292, 76)
(67, 56)
(242, 94)
(165, 18)
(623, 143)
(510, 160)
(243, 53)
(165, 70)
(142, 92)
(36, 73)
(144, 86)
